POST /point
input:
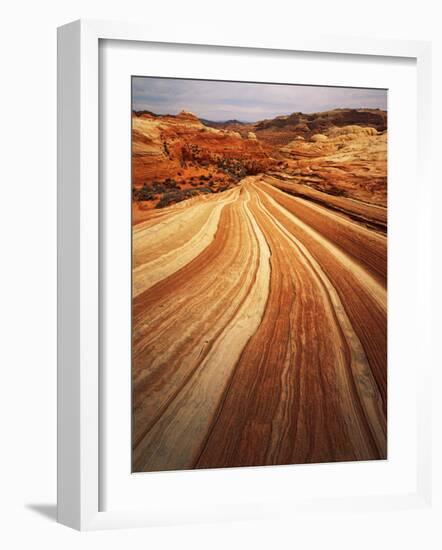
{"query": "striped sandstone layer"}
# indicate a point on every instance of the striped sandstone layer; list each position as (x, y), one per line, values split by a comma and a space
(259, 329)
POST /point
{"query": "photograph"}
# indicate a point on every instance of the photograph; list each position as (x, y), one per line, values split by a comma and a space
(259, 273)
(222, 307)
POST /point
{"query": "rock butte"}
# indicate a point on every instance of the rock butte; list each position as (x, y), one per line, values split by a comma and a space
(259, 290)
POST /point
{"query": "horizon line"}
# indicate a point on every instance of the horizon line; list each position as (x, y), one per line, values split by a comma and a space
(243, 121)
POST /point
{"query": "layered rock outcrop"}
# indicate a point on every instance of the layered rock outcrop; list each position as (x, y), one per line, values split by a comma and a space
(179, 153)
(349, 161)
(340, 152)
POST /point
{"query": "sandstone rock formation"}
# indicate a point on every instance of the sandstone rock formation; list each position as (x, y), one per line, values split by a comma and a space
(259, 331)
(351, 161)
(282, 129)
(177, 154)
(259, 290)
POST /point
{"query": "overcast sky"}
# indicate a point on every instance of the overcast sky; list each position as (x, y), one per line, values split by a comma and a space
(244, 101)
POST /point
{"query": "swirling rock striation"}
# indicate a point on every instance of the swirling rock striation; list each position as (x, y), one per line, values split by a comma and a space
(260, 310)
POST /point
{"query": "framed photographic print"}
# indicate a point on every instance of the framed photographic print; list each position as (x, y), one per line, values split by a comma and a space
(235, 254)
(259, 269)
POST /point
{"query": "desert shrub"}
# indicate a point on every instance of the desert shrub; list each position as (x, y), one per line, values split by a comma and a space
(189, 193)
(172, 197)
(170, 183)
(169, 198)
(146, 196)
(158, 187)
(143, 194)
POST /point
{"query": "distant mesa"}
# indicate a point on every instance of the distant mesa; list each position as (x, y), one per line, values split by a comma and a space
(223, 123)
(145, 113)
(281, 130)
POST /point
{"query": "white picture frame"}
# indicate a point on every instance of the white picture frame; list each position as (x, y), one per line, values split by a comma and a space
(79, 436)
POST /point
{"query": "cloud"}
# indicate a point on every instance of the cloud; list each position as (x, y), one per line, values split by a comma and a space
(219, 100)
